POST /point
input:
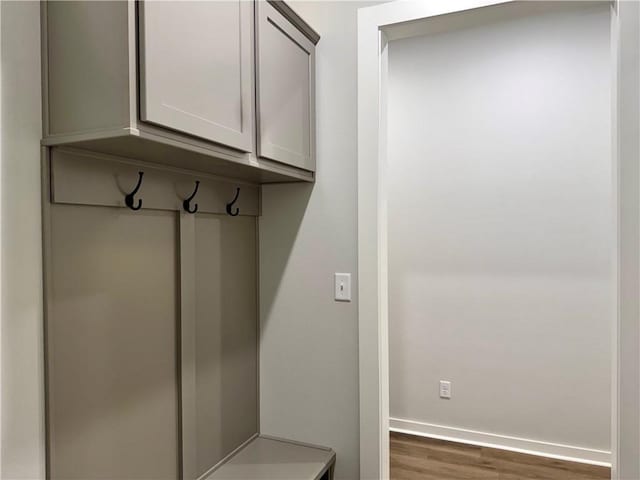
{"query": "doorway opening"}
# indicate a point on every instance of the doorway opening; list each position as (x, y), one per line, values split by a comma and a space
(491, 307)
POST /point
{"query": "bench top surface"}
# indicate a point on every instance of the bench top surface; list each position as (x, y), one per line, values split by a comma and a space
(275, 459)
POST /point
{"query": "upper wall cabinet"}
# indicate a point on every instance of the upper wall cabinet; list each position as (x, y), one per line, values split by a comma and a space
(286, 89)
(174, 82)
(196, 69)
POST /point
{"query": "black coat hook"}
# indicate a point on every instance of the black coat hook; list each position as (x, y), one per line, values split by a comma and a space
(187, 201)
(128, 199)
(229, 205)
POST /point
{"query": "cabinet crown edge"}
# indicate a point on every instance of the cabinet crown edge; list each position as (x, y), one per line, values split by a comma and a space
(291, 15)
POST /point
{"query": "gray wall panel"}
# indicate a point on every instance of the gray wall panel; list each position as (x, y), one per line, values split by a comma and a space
(111, 333)
(226, 336)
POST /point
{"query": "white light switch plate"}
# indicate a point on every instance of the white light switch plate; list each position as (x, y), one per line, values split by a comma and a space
(342, 287)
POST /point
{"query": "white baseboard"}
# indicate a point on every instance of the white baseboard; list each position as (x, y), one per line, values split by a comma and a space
(503, 442)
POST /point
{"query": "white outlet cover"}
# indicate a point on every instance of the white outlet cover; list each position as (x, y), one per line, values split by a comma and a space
(342, 287)
(445, 389)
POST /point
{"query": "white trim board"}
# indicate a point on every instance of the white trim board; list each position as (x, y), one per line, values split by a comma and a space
(503, 442)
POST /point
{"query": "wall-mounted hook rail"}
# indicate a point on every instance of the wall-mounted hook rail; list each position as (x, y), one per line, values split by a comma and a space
(128, 199)
(186, 203)
(230, 205)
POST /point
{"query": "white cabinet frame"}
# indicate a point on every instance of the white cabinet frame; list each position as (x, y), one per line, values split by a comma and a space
(378, 24)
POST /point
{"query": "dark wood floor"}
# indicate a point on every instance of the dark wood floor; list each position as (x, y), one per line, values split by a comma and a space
(419, 458)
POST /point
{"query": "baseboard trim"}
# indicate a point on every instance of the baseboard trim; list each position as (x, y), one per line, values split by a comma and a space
(502, 442)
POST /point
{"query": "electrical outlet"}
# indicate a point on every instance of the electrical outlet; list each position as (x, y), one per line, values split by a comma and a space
(445, 389)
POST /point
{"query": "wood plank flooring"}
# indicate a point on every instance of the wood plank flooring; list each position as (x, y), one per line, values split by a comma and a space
(419, 458)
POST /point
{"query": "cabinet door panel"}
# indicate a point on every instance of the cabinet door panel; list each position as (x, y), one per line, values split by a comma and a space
(112, 344)
(196, 68)
(226, 336)
(286, 91)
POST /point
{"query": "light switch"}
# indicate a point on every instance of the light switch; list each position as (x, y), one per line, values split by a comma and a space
(343, 287)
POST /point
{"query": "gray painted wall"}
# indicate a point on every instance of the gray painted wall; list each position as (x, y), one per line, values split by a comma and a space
(500, 209)
(22, 432)
(309, 343)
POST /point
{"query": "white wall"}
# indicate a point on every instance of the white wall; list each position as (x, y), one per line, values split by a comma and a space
(309, 343)
(22, 432)
(500, 235)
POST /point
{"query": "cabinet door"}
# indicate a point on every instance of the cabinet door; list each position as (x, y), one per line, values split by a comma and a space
(111, 332)
(196, 68)
(286, 90)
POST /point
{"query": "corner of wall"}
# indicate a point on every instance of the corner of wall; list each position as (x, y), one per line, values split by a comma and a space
(22, 372)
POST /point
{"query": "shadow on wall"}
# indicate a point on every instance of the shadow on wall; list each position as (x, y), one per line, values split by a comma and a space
(282, 216)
